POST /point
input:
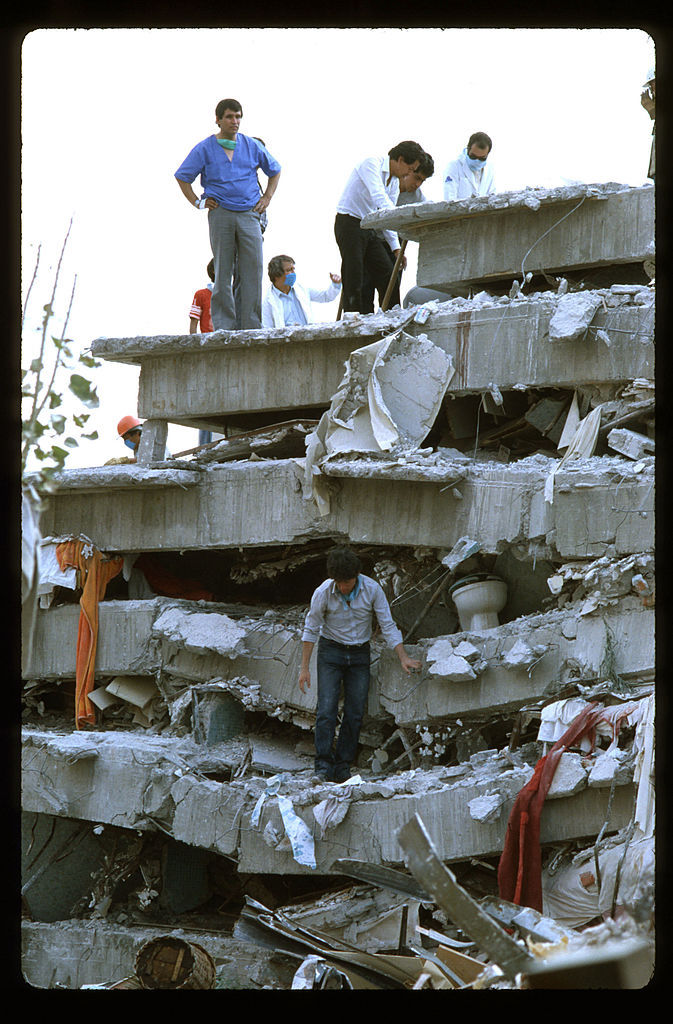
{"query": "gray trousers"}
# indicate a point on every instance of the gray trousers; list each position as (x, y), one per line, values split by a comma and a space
(234, 234)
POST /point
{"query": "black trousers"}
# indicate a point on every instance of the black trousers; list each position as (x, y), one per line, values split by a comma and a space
(360, 249)
(368, 286)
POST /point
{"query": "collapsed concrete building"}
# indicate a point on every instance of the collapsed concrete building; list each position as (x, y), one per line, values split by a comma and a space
(502, 432)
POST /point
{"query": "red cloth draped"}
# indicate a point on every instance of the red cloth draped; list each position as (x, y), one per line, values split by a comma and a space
(520, 865)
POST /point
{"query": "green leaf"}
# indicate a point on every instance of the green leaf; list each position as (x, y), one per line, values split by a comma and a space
(91, 437)
(82, 389)
(58, 454)
(36, 365)
(71, 442)
(34, 429)
(88, 360)
(58, 423)
(54, 400)
(80, 419)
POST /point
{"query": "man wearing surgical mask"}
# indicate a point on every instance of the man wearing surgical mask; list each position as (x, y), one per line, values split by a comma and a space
(289, 304)
(471, 174)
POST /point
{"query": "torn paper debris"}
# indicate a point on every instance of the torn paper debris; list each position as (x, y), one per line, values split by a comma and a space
(389, 397)
(581, 446)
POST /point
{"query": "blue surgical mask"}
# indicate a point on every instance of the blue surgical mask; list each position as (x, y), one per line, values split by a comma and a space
(130, 444)
(290, 278)
(475, 165)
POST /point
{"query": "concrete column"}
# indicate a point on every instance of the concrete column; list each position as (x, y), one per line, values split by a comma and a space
(152, 446)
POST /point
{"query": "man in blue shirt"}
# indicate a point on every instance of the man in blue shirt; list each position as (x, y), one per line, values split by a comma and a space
(227, 164)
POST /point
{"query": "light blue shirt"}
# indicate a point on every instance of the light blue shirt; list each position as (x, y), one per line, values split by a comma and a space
(291, 306)
(350, 622)
(233, 183)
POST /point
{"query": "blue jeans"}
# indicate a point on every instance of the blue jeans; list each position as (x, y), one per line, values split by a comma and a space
(337, 664)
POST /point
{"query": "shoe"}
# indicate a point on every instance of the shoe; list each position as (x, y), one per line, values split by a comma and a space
(318, 778)
(342, 774)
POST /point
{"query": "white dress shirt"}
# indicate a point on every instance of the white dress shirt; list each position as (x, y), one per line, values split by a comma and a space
(350, 622)
(369, 189)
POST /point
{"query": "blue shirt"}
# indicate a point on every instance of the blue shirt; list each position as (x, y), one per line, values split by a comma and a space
(233, 183)
(291, 306)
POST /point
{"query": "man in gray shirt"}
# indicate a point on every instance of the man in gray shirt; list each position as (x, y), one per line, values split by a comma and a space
(340, 620)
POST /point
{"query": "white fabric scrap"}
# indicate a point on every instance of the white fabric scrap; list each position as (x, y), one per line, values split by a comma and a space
(30, 540)
(272, 786)
(332, 811)
(305, 974)
(643, 773)
(51, 574)
(303, 849)
(571, 424)
(555, 719)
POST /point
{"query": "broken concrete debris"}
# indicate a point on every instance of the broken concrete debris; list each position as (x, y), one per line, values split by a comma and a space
(174, 837)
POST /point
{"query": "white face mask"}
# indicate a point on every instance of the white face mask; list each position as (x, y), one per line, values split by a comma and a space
(475, 165)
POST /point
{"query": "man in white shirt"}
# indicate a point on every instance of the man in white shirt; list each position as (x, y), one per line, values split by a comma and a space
(471, 174)
(373, 185)
(288, 303)
(410, 192)
(340, 620)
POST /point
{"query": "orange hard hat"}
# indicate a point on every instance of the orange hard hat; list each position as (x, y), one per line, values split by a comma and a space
(127, 423)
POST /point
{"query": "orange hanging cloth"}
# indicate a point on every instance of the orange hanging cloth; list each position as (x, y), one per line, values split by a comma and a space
(95, 572)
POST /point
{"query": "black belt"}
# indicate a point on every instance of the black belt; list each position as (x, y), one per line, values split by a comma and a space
(345, 647)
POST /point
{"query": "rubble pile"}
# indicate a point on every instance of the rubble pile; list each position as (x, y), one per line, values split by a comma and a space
(498, 828)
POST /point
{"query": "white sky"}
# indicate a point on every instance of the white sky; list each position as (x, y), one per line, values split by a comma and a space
(109, 114)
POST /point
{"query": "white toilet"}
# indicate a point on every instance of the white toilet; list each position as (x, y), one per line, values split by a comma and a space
(478, 599)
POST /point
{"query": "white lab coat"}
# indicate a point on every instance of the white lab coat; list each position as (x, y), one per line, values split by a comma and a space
(272, 307)
(462, 183)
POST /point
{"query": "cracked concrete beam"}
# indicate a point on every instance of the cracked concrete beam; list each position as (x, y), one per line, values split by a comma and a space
(369, 830)
(488, 338)
(76, 953)
(248, 504)
(564, 637)
(574, 227)
(207, 814)
(126, 783)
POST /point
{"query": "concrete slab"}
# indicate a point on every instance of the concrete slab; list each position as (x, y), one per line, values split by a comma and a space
(263, 676)
(501, 686)
(211, 376)
(122, 779)
(369, 830)
(148, 783)
(507, 342)
(74, 953)
(124, 628)
(247, 504)
(186, 380)
(473, 241)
